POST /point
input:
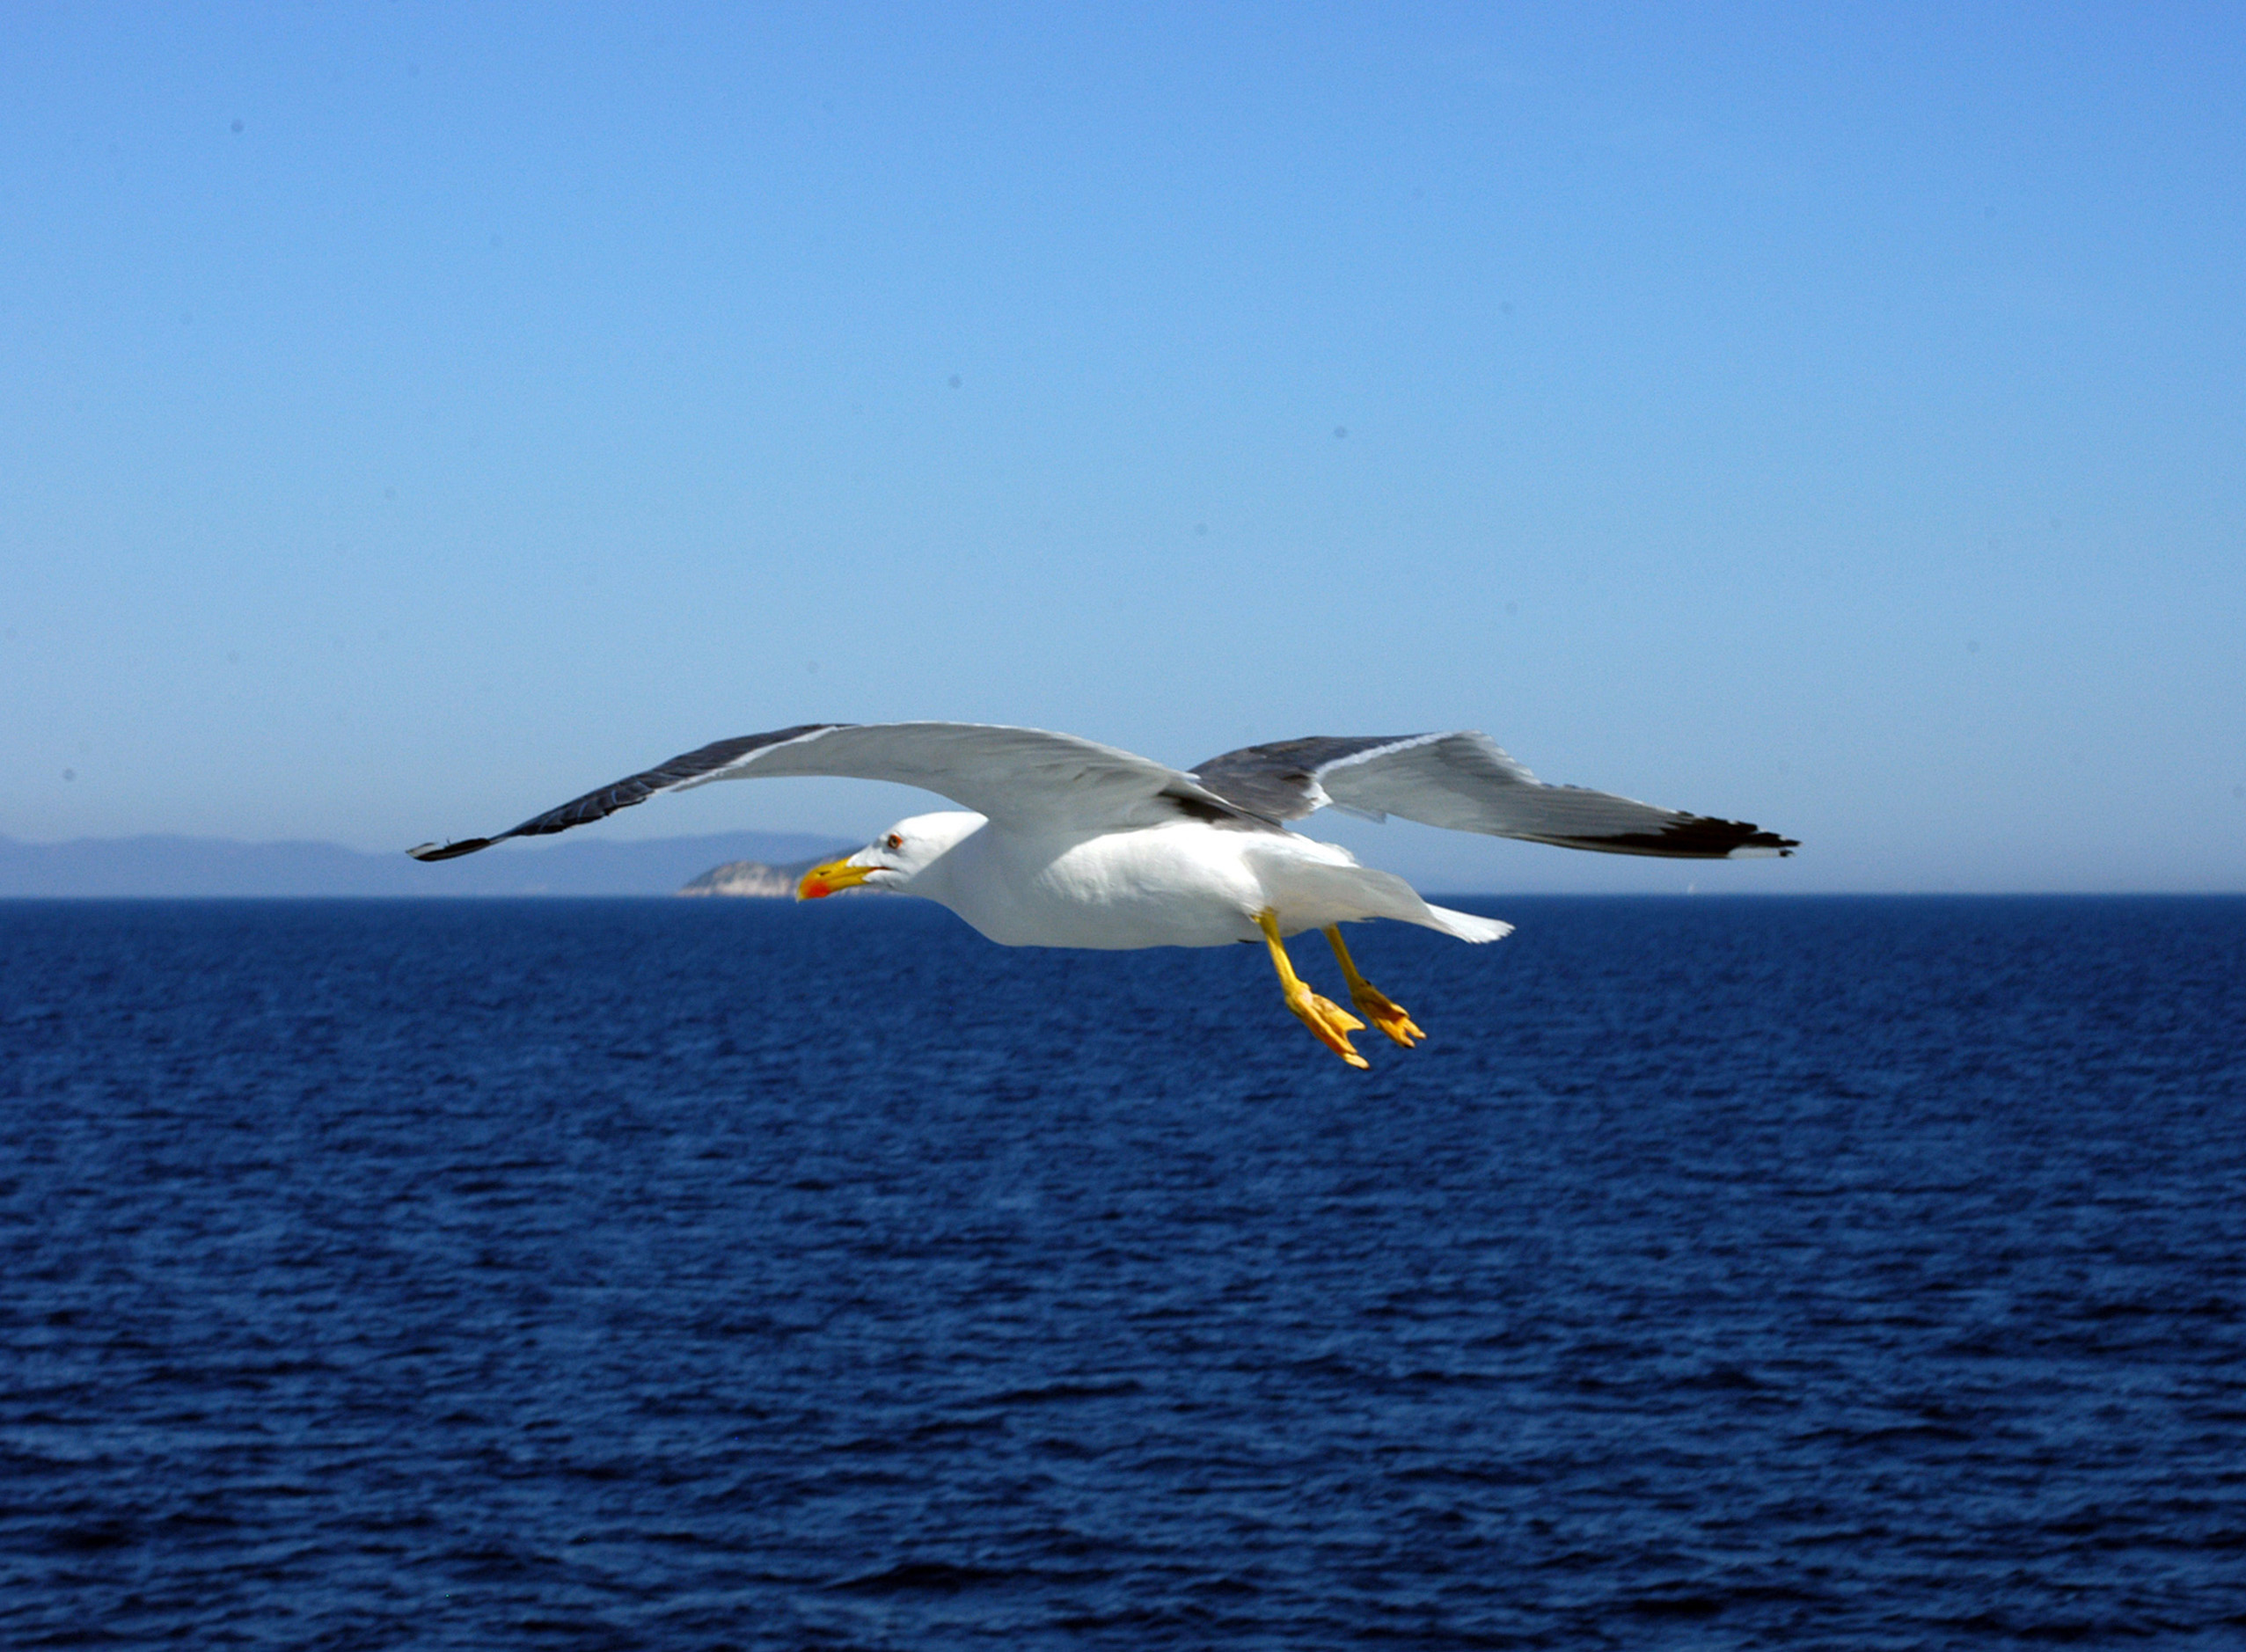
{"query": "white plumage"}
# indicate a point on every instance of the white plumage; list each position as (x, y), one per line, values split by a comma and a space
(1176, 883)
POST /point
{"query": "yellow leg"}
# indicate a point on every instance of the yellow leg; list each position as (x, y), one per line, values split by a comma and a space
(1375, 1004)
(1329, 1022)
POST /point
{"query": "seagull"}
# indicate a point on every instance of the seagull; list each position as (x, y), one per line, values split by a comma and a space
(1064, 842)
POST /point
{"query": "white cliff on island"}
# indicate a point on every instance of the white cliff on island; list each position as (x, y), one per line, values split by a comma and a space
(752, 879)
(759, 880)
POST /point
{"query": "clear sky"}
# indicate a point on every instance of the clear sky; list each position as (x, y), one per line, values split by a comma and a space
(413, 415)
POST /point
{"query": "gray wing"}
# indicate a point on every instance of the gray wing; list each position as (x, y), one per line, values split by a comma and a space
(1463, 781)
(1022, 775)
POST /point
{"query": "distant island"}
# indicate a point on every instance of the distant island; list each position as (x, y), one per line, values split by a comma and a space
(752, 880)
(755, 880)
(174, 868)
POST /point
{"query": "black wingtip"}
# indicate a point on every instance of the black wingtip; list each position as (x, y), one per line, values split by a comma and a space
(1691, 838)
(447, 851)
(1766, 844)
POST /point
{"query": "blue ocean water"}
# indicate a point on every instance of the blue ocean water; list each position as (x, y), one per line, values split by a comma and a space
(1857, 1272)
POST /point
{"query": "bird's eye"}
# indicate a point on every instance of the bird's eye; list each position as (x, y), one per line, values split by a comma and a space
(893, 841)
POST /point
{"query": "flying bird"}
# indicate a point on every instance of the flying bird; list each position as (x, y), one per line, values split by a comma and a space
(1068, 843)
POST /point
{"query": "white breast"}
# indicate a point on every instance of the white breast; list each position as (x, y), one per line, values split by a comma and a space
(1179, 885)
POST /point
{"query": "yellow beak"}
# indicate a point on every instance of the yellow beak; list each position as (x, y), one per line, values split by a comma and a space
(832, 879)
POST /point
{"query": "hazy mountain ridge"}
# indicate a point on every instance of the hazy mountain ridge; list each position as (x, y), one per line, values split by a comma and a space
(171, 867)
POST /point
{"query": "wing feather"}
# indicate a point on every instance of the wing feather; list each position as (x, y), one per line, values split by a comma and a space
(1466, 782)
(1021, 776)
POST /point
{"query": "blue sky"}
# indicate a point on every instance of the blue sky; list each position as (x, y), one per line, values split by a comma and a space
(411, 416)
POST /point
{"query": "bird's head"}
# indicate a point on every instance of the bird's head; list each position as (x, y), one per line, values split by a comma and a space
(894, 859)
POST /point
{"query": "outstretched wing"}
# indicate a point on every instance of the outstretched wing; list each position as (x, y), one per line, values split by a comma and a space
(1021, 776)
(1463, 781)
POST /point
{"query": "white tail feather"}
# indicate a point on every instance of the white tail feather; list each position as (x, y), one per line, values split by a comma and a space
(1467, 927)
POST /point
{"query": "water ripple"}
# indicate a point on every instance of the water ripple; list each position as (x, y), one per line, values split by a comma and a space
(618, 1273)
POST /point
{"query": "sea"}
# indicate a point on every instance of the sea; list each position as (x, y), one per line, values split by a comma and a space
(1721, 1272)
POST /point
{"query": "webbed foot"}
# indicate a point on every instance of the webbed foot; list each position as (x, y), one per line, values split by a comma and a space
(1374, 1004)
(1329, 1022)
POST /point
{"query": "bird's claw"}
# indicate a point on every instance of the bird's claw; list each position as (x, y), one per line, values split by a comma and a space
(1386, 1013)
(1329, 1024)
